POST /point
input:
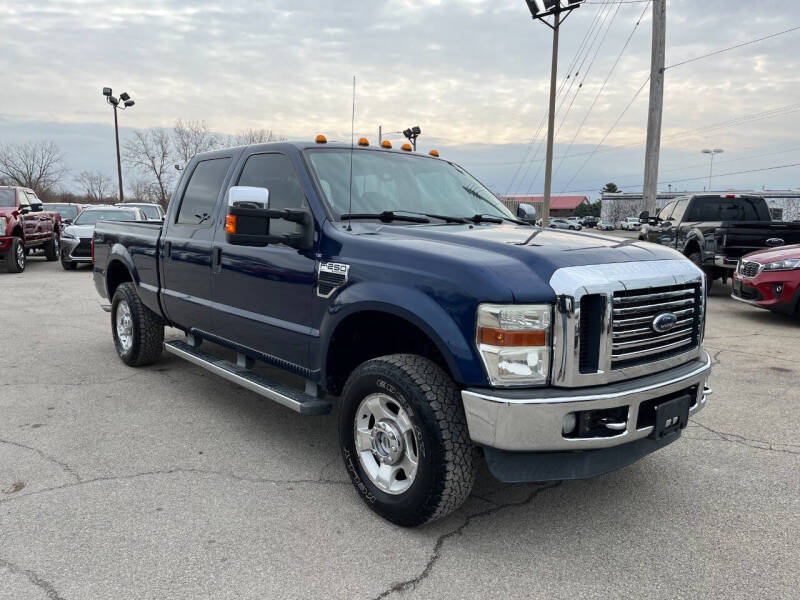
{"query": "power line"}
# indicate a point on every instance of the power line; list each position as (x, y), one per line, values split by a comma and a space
(704, 177)
(761, 39)
(521, 184)
(608, 77)
(590, 31)
(585, 77)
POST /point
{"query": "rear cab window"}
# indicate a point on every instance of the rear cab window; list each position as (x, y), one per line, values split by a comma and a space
(714, 208)
(202, 191)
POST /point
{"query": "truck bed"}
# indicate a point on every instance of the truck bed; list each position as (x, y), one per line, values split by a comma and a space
(735, 239)
(135, 244)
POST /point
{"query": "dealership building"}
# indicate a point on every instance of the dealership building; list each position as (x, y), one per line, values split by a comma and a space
(560, 206)
(784, 204)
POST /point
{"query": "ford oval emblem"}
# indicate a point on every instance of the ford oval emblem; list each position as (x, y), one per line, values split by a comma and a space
(773, 242)
(664, 322)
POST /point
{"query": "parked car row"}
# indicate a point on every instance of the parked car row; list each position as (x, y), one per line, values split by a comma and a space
(61, 230)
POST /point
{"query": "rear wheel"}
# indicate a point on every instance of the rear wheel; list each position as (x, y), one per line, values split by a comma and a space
(404, 439)
(16, 257)
(52, 248)
(138, 332)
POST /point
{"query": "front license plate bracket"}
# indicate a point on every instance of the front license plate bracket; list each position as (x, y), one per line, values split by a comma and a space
(671, 416)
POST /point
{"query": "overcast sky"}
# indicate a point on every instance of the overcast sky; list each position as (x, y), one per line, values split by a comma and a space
(473, 74)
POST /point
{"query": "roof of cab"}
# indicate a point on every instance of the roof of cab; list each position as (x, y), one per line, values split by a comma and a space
(301, 145)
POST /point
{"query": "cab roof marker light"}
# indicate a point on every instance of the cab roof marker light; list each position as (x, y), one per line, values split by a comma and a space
(321, 139)
(386, 144)
(406, 147)
(434, 153)
(363, 141)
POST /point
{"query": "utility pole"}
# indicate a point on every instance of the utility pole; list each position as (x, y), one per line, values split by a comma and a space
(559, 10)
(380, 134)
(655, 114)
(551, 122)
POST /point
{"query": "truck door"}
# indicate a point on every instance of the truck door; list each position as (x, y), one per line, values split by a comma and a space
(29, 221)
(186, 246)
(679, 227)
(263, 295)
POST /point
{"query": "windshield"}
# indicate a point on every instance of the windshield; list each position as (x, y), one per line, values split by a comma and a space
(8, 198)
(90, 217)
(150, 211)
(386, 181)
(65, 210)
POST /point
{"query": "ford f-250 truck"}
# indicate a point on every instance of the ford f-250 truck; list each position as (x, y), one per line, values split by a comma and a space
(26, 226)
(397, 286)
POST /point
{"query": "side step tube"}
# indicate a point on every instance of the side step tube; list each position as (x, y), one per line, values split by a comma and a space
(288, 396)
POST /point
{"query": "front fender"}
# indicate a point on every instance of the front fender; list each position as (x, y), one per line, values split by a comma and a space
(419, 309)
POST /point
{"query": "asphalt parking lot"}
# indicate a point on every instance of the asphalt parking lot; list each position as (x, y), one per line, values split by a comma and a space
(167, 482)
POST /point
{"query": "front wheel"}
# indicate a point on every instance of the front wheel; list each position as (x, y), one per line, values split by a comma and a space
(404, 439)
(16, 258)
(138, 332)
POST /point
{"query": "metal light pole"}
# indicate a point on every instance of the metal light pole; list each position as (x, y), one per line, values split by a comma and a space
(559, 10)
(711, 170)
(412, 133)
(125, 98)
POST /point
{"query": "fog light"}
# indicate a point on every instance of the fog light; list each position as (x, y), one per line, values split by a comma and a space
(570, 421)
(778, 290)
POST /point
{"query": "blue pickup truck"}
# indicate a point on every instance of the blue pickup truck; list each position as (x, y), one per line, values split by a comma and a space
(446, 329)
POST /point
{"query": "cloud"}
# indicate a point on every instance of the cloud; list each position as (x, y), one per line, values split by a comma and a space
(468, 72)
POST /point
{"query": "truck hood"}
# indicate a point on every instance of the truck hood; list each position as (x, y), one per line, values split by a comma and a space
(80, 231)
(522, 258)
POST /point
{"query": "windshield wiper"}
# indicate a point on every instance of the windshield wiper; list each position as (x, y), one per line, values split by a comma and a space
(447, 218)
(386, 216)
(489, 218)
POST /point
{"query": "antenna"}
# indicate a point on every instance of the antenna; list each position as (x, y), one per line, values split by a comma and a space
(352, 142)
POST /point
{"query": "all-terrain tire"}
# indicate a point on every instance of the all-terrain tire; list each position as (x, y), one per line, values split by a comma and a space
(429, 397)
(697, 259)
(52, 248)
(145, 341)
(16, 257)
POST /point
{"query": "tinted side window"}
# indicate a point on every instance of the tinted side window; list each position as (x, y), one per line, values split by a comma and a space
(680, 208)
(729, 209)
(666, 212)
(276, 173)
(202, 191)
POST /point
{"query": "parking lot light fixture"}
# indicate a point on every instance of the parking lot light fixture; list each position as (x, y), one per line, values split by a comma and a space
(127, 102)
(711, 170)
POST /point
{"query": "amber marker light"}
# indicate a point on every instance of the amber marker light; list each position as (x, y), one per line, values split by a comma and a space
(321, 139)
(406, 147)
(230, 224)
(363, 142)
(386, 144)
(434, 153)
(502, 337)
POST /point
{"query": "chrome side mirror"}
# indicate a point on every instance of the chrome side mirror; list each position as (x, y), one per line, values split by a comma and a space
(241, 196)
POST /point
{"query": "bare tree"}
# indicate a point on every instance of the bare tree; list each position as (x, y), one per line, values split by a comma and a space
(257, 136)
(149, 152)
(36, 165)
(142, 191)
(192, 137)
(97, 186)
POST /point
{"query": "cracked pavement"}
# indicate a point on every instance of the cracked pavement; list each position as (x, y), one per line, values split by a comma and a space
(167, 482)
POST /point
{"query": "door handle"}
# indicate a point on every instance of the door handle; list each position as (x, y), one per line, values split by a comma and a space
(167, 250)
(216, 259)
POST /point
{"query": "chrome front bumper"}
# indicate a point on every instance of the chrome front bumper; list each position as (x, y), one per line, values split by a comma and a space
(532, 420)
(724, 262)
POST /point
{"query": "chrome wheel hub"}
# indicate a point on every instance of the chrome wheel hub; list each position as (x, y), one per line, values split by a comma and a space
(386, 443)
(124, 326)
(20, 255)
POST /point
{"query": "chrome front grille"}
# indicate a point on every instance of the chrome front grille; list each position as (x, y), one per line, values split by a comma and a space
(748, 268)
(635, 338)
(603, 326)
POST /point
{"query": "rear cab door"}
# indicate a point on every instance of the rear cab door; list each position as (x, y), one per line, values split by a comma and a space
(185, 247)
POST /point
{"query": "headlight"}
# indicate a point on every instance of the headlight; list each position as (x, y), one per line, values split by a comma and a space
(2, 225)
(514, 343)
(783, 265)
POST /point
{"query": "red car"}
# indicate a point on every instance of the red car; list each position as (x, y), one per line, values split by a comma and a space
(26, 226)
(770, 278)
